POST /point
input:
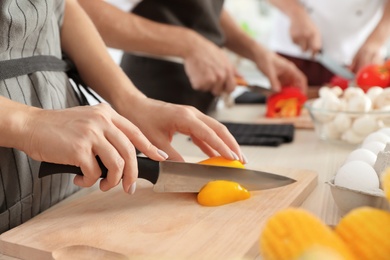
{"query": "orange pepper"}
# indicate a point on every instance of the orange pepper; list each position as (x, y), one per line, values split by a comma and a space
(221, 161)
(286, 103)
(220, 192)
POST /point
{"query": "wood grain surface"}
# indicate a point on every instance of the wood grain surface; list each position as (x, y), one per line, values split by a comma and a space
(150, 225)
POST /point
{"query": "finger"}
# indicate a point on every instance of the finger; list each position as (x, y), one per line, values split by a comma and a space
(217, 136)
(217, 88)
(173, 155)
(273, 79)
(315, 44)
(304, 44)
(114, 163)
(353, 66)
(138, 139)
(204, 147)
(127, 151)
(230, 83)
(90, 169)
(300, 79)
(237, 73)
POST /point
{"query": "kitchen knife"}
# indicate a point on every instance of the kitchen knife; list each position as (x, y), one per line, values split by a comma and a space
(334, 66)
(170, 176)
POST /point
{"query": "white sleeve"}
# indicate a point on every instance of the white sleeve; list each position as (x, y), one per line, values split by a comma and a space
(124, 5)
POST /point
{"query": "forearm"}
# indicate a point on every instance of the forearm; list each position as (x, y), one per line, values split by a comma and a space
(13, 118)
(132, 33)
(92, 60)
(381, 33)
(237, 40)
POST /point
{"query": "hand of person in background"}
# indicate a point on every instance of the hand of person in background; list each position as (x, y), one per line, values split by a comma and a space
(75, 136)
(208, 67)
(208, 134)
(369, 53)
(280, 71)
(305, 33)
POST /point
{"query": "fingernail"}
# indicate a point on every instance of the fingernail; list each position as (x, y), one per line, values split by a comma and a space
(162, 153)
(244, 158)
(132, 188)
(235, 156)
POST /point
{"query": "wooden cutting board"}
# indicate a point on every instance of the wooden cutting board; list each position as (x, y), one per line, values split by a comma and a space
(154, 225)
(303, 121)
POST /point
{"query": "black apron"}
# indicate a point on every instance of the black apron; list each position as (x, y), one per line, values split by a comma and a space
(166, 80)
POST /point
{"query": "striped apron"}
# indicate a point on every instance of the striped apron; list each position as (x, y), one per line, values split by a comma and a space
(31, 28)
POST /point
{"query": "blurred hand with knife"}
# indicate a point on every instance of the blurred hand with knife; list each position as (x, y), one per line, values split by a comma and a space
(353, 33)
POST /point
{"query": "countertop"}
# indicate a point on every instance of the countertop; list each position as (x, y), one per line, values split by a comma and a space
(305, 152)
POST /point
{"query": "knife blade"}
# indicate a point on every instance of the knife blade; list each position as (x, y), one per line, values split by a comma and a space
(170, 176)
(334, 66)
(254, 87)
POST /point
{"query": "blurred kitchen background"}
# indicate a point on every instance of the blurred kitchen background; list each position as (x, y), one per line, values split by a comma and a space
(256, 17)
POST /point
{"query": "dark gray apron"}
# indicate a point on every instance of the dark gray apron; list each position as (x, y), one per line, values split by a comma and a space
(14, 213)
(166, 80)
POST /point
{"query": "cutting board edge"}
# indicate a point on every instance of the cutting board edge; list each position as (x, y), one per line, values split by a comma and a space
(25, 252)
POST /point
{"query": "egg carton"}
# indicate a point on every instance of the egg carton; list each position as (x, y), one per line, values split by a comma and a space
(371, 159)
(348, 199)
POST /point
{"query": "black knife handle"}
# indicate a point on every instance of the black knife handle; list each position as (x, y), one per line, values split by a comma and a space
(147, 169)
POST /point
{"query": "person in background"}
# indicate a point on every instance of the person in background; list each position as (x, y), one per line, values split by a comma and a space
(181, 43)
(41, 117)
(353, 33)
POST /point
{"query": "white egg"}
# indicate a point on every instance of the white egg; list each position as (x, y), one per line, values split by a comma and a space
(377, 136)
(385, 130)
(363, 155)
(342, 122)
(352, 137)
(359, 104)
(357, 175)
(374, 146)
(374, 92)
(365, 125)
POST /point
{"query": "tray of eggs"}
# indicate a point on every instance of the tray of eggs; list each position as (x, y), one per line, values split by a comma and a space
(349, 116)
(357, 181)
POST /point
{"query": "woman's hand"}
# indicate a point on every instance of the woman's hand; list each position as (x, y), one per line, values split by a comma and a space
(75, 136)
(159, 121)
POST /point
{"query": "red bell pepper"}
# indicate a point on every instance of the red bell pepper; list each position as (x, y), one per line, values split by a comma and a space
(286, 103)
